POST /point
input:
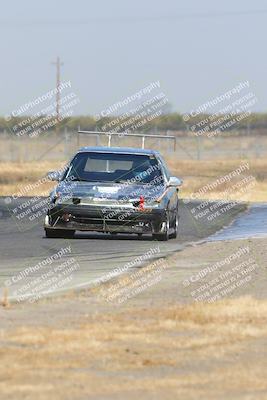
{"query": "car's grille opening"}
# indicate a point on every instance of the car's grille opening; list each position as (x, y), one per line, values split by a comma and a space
(82, 220)
(111, 222)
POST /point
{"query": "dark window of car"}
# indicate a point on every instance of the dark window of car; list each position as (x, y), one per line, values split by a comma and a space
(117, 167)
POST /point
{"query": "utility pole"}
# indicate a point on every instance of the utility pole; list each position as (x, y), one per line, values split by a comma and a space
(58, 64)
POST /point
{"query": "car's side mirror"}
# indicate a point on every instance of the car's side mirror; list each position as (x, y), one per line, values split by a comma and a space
(53, 175)
(174, 182)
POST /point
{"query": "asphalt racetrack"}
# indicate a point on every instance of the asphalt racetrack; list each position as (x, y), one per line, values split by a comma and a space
(23, 245)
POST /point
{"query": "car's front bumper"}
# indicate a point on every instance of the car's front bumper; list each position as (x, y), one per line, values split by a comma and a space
(92, 218)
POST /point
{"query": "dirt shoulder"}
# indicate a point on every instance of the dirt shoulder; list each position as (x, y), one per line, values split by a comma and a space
(159, 343)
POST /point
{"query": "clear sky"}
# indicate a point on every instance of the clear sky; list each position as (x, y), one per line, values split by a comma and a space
(113, 48)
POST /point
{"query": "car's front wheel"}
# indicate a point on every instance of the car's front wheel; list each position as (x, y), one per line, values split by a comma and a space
(163, 237)
(59, 233)
(174, 234)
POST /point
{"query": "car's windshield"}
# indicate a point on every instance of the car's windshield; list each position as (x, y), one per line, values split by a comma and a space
(114, 167)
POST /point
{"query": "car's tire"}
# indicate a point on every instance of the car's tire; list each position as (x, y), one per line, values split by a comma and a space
(59, 233)
(163, 237)
(174, 234)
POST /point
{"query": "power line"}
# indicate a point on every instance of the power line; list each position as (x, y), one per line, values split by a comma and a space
(133, 19)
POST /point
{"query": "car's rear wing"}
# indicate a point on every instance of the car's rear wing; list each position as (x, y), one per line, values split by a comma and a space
(126, 134)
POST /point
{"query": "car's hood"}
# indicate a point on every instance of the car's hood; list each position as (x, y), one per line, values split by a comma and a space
(101, 191)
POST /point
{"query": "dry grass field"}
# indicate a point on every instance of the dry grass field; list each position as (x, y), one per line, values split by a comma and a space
(196, 174)
(203, 351)
(14, 177)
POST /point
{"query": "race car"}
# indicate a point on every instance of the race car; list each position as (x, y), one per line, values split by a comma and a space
(115, 190)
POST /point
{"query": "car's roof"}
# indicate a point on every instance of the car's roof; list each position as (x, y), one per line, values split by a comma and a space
(117, 150)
